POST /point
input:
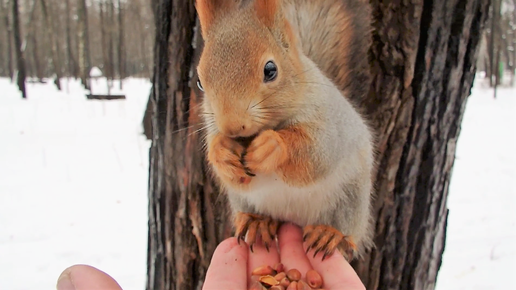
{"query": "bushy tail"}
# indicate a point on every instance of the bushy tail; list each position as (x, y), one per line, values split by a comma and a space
(336, 35)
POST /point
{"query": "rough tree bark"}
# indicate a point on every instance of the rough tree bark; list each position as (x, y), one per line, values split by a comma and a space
(495, 14)
(111, 38)
(83, 42)
(104, 40)
(72, 63)
(423, 61)
(4, 49)
(121, 48)
(54, 46)
(20, 60)
(513, 78)
(9, 37)
(30, 37)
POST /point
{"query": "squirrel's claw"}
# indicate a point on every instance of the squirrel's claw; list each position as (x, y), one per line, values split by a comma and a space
(327, 239)
(249, 226)
(225, 155)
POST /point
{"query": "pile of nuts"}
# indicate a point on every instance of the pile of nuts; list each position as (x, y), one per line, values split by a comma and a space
(275, 278)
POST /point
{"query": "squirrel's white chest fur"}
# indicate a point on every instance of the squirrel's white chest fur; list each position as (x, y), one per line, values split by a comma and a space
(271, 196)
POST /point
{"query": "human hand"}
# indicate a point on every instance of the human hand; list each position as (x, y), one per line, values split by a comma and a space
(84, 277)
(232, 264)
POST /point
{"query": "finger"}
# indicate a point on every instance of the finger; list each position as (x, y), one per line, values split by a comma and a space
(83, 277)
(260, 256)
(227, 269)
(335, 271)
(291, 248)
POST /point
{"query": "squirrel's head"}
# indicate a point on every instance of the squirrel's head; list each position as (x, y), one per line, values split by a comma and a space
(249, 69)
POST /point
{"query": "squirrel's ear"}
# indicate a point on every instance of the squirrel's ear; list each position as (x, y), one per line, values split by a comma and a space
(208, 10)
(267, 10)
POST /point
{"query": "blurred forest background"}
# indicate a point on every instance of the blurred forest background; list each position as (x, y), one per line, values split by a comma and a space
(52, 40)
(497, 52)
(41, 39)
(66, 38)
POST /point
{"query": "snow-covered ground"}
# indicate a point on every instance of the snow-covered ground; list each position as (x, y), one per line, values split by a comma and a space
(73, 189)
(73, 184)
(480, 250)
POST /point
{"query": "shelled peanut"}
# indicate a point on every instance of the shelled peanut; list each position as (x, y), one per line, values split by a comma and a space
(276, 278)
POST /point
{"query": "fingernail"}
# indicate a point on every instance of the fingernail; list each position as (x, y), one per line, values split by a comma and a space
(65, 282)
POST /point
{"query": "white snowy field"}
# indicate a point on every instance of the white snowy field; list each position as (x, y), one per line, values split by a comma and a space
(73, 184)
(73, 189)
(480, 250)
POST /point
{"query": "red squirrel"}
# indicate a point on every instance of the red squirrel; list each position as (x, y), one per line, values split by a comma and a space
(283, 139)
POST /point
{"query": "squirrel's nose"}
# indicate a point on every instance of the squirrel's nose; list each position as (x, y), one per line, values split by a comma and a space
(235, 129)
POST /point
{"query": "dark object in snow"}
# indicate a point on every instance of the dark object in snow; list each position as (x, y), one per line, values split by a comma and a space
(105, 97)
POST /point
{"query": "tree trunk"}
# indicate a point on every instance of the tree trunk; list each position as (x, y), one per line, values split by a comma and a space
(111, 38)
(103, 39)
(513, 76)
(83, 43)
(38, 68)
(423, 64)
(54, 46)
(9, 35)
(4, 50)
(121, 44)
(33, 68)
(426, 65)
(147, 118)
(72, 63)
(20, 61)
(493, 46)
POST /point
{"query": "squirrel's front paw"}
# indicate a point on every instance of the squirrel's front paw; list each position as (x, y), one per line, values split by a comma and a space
(225, 154)
(327, 239)
(265, 153)
(250, 226)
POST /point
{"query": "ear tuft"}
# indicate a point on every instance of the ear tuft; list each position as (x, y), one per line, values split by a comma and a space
(209, 10)
(266, 11)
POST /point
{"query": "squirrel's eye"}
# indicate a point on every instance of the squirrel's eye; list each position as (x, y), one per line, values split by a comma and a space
(199, 85)
(270, 71)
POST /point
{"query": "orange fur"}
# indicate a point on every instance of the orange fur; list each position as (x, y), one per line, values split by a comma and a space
(209, 10)
(327, 239)
(266, 11)
(266, 153)
(254, 225)
(225, 154)
(298, 120)
(298, 169)
(283, 151)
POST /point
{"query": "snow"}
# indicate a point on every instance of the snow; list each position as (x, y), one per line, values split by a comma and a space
(480, 251)
(95, 72)
(73, 184)
(73, 188)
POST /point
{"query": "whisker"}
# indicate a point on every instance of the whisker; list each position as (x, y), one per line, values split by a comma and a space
(277, 107)
(194, 107)
(259, 117)
(206, 126)
(198, 130)
(183, 129)
(316, 83)
(261, 123)
(305, 71)
(250, 101)
(263, 100)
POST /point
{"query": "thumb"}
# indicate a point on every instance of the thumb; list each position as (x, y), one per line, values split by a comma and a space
(84, 277)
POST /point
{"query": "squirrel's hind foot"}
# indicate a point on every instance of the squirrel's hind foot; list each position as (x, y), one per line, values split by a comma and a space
(326, 239)
(254, 224)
